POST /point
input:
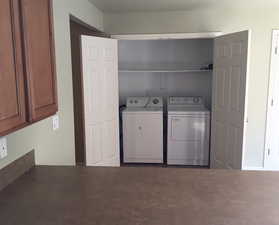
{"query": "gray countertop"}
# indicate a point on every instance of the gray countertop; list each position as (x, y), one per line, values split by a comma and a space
(141, 196)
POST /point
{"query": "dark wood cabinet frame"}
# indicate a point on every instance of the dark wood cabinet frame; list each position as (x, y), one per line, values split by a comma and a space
(37, 113)
(16, 119)
(20, 25)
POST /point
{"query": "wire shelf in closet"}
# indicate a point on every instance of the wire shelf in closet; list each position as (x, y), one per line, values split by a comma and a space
(164, 68)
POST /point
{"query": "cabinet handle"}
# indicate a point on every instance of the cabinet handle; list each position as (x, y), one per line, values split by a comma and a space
(140, 128)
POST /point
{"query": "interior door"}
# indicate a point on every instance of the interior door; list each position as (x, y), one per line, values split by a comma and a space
(272, 131)
(100, 89)
(229, 100)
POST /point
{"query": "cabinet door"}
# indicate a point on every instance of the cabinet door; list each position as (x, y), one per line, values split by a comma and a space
(12, 100)
(39, 56)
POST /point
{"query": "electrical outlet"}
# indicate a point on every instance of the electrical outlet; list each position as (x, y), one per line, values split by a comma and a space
(55, 122)
(3, 148)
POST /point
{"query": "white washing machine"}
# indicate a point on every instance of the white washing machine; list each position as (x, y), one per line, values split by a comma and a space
(143, 130)
(188, 131)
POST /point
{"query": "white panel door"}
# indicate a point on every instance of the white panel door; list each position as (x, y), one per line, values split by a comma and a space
(100, 87)
(272, 131)
(229, 100)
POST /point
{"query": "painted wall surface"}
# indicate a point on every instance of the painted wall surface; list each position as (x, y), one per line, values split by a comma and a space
(220, 17)
(171, 55)
(56, 147)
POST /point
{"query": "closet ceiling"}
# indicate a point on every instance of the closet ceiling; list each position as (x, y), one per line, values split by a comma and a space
(176, 5)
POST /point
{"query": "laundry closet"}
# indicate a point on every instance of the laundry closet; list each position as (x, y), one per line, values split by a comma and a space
(165, 68)
(142, 75)
(162, 68)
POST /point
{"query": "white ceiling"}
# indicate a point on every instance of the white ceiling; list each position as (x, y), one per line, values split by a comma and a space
(174, 5)
(148, 5)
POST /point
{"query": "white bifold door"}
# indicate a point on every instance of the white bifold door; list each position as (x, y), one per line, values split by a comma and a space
(100, 84)
(229, 100)
(100, 87)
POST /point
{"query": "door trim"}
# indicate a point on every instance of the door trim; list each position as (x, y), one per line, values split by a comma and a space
(272, 77)
(246, 119)
(77, 77)
(204, 35)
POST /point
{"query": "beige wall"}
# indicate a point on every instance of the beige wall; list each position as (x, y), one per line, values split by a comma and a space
(56, 148)
(261, 21)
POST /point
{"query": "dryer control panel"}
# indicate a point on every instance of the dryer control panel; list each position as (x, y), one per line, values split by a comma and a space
(184, 101)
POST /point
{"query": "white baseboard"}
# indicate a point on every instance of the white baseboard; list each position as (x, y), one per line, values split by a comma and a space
(251, 168)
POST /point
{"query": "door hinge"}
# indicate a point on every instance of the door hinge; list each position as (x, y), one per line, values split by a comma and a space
(268, 152)
(276, 50)
(272, 102)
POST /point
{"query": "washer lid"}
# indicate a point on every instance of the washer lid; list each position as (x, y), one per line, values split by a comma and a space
(141, 110)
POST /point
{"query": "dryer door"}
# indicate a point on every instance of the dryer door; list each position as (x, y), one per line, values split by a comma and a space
(188, 141)
(187, 128)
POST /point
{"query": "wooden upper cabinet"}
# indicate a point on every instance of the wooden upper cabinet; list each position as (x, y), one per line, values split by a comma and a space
(38, 41)
(12, 93)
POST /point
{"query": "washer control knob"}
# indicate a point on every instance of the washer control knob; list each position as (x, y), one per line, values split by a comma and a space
(156, 101)
(196, 100)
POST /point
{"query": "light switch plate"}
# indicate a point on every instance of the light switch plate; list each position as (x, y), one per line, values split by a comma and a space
(3, 148)
(55, 122)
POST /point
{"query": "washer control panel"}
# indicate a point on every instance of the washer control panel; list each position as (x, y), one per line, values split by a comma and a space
(186, 101)
(144, 102)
